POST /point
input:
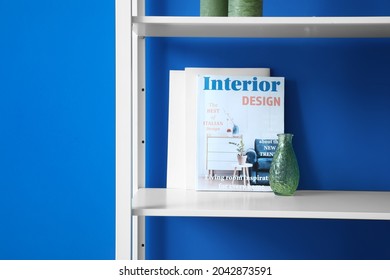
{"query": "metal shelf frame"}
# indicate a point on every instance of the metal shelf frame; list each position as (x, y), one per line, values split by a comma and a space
(130, 129)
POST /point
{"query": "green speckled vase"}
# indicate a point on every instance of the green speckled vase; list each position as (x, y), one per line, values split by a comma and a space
(284, 171)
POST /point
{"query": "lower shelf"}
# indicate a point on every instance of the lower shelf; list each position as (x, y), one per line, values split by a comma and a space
(304, 204)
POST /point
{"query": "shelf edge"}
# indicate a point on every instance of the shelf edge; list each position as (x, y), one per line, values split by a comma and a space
(305, 204)
(263, 27)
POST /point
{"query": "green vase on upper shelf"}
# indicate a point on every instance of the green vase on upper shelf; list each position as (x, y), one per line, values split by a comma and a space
(245, 8)
(284, 171)
(213, 8)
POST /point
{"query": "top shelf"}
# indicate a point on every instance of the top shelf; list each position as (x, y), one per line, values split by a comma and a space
(263, 27)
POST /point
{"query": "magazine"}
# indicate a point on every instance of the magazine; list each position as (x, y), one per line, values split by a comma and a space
(237, 116)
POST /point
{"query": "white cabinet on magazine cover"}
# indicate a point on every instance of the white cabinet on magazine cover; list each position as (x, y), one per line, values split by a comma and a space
(134, 202)
(221, 155)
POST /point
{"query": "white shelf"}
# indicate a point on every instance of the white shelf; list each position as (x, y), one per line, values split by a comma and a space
(263, 27)
(304, 204)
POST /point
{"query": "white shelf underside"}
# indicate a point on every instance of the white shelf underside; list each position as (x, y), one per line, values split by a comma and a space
(263, 27)
(304, 204)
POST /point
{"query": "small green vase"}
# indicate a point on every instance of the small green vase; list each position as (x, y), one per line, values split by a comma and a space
(245, 8)
(214, 8)
(284, 171)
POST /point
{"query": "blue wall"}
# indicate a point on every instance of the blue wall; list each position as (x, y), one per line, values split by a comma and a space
(57, 129)
(337, 99)
(57, 132)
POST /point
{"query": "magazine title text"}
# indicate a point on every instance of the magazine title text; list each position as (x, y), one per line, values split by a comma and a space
(253, 85)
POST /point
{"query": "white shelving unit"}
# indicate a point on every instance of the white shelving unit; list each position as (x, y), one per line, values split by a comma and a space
(134, 202)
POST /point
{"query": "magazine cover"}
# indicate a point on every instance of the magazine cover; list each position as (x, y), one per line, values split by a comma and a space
(238, 119)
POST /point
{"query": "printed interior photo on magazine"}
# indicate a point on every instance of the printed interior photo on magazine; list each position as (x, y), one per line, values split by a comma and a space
(238, 119)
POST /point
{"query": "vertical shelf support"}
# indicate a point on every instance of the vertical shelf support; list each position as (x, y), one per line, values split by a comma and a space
(138, 96)
(130, 130)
